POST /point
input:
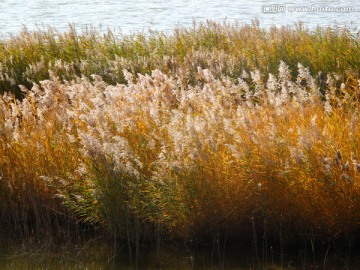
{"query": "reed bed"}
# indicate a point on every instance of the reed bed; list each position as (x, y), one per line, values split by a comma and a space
(224, 48)
(213, 140)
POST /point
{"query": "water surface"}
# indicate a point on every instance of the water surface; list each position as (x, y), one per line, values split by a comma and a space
(141, 15)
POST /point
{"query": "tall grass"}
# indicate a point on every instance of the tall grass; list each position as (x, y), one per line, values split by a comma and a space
(33, 144)
(225, 49)
(207, 146)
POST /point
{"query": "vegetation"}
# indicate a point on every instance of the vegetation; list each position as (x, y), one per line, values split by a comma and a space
(215, 130)
(225, 49)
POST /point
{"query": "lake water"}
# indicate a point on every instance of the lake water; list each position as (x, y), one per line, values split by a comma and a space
(141, 15)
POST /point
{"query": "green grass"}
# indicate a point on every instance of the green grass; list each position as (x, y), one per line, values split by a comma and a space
(226, 49)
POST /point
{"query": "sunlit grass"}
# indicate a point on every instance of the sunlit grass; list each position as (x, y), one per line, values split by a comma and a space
(226, 49)
(202, 132)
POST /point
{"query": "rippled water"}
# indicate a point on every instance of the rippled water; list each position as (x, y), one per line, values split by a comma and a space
(139, 15)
